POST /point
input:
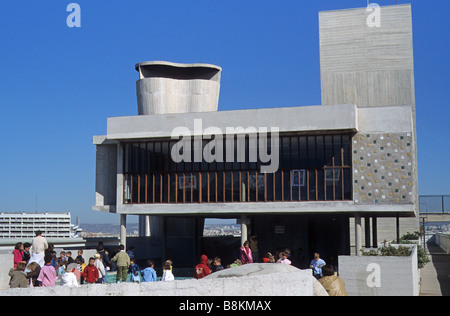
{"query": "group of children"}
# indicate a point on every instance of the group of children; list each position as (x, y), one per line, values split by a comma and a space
(149, 273)
(70, 272)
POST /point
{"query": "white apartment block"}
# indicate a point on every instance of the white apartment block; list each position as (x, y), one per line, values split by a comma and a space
(24, 225)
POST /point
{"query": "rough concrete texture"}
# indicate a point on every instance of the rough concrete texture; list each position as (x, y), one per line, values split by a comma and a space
(249, 280)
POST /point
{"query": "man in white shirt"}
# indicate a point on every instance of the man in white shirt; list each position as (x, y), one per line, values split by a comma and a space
(38, 246)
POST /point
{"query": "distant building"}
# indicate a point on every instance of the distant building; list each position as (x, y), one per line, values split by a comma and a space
(341, 175)
(24, 225)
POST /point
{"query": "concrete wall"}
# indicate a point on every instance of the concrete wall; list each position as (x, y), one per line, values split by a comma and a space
(363, 65)
(298, 283)
(6, 263)
(380, 275)
(443, 241)
(106, 174)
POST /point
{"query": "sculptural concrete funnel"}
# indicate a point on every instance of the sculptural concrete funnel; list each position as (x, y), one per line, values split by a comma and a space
(169, 88)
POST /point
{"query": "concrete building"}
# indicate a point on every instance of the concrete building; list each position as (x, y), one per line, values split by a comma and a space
(24, 225)
(328, 178)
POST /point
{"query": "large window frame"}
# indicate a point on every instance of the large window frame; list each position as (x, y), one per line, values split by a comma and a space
(313, 167)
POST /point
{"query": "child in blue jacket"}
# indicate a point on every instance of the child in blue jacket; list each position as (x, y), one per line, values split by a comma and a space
(149, 274)
(133, 270)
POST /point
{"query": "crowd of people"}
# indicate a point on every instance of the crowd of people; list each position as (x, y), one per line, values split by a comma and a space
(324, 273)
(37, 265)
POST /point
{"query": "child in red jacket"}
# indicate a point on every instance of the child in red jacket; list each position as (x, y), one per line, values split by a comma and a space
(202, 269)
(90, 273)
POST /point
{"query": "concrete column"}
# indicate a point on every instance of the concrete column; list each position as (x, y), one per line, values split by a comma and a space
(164, 237)
(367, 231)
(244, 231)
(123, 230)
(144, 226)
(358, 234)
(374, 232)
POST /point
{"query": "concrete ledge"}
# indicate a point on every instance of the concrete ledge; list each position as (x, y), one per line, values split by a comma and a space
(239, 282)
(404, 210)
(341, 117)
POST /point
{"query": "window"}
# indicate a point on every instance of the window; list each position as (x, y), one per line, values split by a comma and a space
(311, 168)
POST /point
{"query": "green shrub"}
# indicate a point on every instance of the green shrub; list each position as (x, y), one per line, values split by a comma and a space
(388, 250)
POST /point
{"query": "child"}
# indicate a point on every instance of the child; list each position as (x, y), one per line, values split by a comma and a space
(269, 258)
(284, 259)
(167, 274)
(18, 277)
(61, 268)
(62, 256)
(101, 268)
(133, 270)
(47, 276)
(90, 272)
(69, 278)
(33, 273)
(69, 257)
(202, 269)
(217, 265)
(80, 255)
(149, 274)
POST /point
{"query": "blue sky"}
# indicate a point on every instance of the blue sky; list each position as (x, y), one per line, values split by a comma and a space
(58, 84)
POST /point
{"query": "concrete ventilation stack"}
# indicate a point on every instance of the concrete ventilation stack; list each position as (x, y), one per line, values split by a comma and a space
(170, 88)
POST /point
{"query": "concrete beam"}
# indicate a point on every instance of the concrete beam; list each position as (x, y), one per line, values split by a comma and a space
(306, 118)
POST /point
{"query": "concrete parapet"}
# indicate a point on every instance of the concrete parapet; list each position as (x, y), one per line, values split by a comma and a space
(443, 241)
(6, 263)
(250, 280)
(380, 275)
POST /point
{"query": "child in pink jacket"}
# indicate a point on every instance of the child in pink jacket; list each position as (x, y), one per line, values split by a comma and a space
(47, 276)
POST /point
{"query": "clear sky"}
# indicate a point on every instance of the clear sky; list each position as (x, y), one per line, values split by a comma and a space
(58, 84)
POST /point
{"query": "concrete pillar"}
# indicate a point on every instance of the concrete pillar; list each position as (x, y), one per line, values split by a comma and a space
(123, 230)
(144, 226)
(358, 234)
(367, 231)
(374, 232)
(244, 231)
(164, 237)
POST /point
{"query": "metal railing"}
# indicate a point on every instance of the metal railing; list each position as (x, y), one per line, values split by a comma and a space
(434, 204)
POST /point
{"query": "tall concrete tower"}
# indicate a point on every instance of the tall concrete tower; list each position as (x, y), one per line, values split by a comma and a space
(366, 59)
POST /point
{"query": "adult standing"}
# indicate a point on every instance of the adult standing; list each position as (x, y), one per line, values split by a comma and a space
(246, 253)
(18, 254)
(123, 262)
(333, 284)
(38, 247)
